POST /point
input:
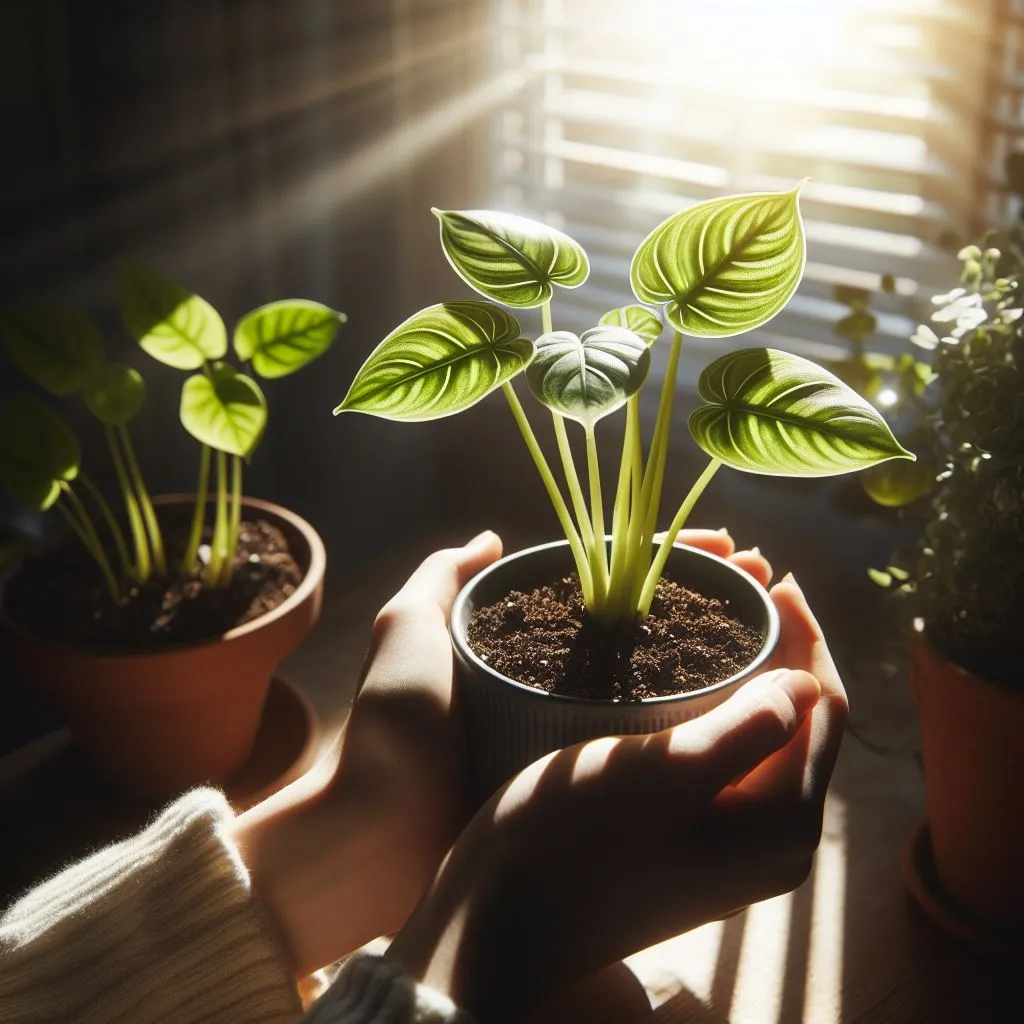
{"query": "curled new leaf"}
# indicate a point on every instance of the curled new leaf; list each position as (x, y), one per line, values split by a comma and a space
(440, 361)
(510, 259)
(225, 410)
(37, 451)
(776, 413)
(115, 393)
(638, 319)
(587, 378)
(172, 324)
(57, 348)
(282, 337)
(725, 266)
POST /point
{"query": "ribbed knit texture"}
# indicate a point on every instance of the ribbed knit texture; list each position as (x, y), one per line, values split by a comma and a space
(161, 927)
(370, 990)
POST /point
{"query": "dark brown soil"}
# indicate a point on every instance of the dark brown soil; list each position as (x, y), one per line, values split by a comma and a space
(61, 595)
(545, 639)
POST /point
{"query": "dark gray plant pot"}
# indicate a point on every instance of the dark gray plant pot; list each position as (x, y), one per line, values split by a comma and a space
(511, 724)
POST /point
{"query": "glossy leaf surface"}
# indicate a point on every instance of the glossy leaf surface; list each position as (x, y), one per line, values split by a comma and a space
(37, 451)
(638, 319)
(282, 337)
(172, 324)
(587, 378)
(511, 259)
(115, 393)
(776, 413)
(57, 348)
(225, 410)
(442, 360)
(725, 266)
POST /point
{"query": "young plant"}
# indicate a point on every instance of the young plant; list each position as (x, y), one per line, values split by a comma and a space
(224, 409)
(718, 269)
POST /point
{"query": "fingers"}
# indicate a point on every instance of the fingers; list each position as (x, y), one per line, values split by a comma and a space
(758, 720)
(716, 542)
(444, 573)
(756, 564)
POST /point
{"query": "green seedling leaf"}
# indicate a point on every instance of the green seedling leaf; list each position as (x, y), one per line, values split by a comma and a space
(856, 326)
(638, 319)
(115, 393)
(776, 413)
(57, 348)
(442, 360)
(172, 324)
(225, 410)
(510, 259)
(587, 378)
(725, 266)
(898, 483)
(37, 451)
(880, 578)
(282, 337)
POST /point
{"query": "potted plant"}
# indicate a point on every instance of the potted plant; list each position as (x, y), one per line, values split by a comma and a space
(609, 595)
(960, 589)
(155, 624)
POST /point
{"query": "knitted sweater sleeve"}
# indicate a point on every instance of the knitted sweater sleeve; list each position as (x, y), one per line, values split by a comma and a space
(165, 927)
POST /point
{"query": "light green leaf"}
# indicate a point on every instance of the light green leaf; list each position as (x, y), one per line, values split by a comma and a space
(895, 484)
(225, 410)
(510, 259)
(442, 360)
(115, 393)
(37, 451)
(637, 319)
(172, 324)
(587, 378)
(57, 348)
(725, 266)
(282, 337)
(880, 578)
(775, 413)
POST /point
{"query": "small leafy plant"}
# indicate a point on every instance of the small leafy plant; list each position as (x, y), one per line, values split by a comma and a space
(221, 407)
(714, 270)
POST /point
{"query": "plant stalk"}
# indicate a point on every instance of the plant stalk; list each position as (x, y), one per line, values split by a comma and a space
(82, 525)
(198, 513)
(218, 546)
(572, 481)
(599, 550)
(235, 518)
(138, 532)
(112, 524)
(156, 540)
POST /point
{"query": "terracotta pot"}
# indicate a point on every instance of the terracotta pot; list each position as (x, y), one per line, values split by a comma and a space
(972, 734)
(511, 724)
(155, 722)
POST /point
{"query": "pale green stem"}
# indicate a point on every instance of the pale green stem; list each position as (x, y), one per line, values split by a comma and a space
(551, 486)
(198, 513)
(572, 481)
(156, 539)
(626, 495)
(545, 318)
(678, 522)
(138, 531)
(235, 520)
(220, 524)
(82, 525)
(599, 552)
(112, 524)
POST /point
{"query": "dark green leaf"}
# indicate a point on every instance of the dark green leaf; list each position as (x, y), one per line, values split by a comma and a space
(855, 326)
(37, 451)
(282, 337)
(440, 361)
(57, 348)
(851, 295)
(225, 410)
(115, 393)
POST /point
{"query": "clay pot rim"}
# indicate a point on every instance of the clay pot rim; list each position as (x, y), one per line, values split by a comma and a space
(758, 664)
(303, 592)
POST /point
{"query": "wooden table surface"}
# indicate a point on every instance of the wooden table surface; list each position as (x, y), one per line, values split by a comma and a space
(847, 946)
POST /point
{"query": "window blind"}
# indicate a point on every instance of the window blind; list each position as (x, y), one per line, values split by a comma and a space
(898, 112)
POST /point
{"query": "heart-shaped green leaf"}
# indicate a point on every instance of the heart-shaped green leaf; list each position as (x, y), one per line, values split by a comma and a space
(442, 360)
(638, 319)
(37, 451)
(510, 259)
(725, 266)
(115, 393)
(57, 348)
(172, 324)
(776, 413)
(225, 410)
(587, 378)
(281, 337)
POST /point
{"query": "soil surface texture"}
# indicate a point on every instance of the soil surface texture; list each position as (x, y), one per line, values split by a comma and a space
(60, 593)
(545, 639)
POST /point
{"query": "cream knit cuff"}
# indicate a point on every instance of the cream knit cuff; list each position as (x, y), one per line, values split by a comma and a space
(160, 927)
(372, 990)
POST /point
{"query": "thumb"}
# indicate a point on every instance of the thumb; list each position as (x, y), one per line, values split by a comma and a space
(756, 721)
(444, 573)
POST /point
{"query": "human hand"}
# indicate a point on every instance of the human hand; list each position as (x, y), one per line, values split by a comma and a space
(723, 811)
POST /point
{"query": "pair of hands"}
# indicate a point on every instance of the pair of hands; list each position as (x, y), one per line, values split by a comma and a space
(541, 886)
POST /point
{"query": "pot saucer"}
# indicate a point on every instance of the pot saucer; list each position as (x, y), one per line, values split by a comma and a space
(919, 875)
(284, 748)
